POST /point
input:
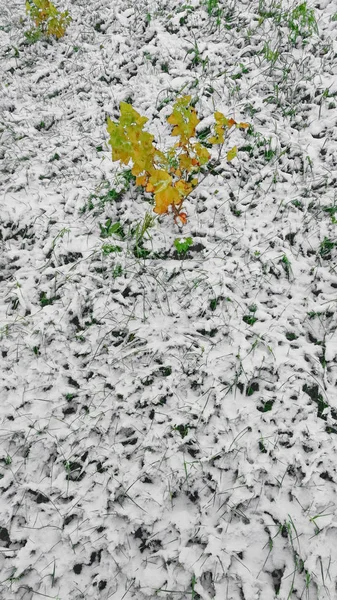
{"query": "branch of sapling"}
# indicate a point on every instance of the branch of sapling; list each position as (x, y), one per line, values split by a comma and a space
(173, 176)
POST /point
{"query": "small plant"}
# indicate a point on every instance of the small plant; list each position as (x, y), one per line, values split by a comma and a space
(213, 303)
(169, 176)
(139, 233)
(301, 22)
(196, 57)
(266, 406)
(269, 54)
(243, 70)
(47, 19)
(286, 265)
(110, 228)
(109, 248)
(44, 301)
(109, 197)
(142, 229)
(331, 210)
(214, 11)
(326, 247)
(250, 319)
(182, 245)
(212, 6)
(105, 195)
(270, 12)
(33, 35)
(182, 429)
(117, 271)
(298, 204)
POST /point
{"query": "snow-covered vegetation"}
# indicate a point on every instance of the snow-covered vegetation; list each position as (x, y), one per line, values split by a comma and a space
(168, 390)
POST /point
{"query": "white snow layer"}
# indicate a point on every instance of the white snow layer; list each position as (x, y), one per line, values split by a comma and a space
(168, 423)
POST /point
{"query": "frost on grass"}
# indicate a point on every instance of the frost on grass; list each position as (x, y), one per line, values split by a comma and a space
(168, 414)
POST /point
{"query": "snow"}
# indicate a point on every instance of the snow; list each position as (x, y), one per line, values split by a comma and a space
(168, 423)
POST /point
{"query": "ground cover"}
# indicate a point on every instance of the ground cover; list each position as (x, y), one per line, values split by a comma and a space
(168, 391)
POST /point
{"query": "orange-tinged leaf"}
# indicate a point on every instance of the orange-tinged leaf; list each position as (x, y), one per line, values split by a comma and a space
(149, 188)
(141, 180)
(172, 119)
(136, 170)
(141, 162)
(232, 153)
(243, 125)
(185, 162)
(184, 187)
(166, 198)
(182, 218)
(221, 123)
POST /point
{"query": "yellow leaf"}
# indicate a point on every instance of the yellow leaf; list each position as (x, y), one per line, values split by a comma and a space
(232, 153)
(160, 180)
(184, 188)
(149, 187)
(185, 162)
(214, 140)
(129, 116)
(243, 125)
(184, 120)
(166, 198)
(160, 157)
(136, 170)
(141, 180)
(183, 101)
(220, 118)
(202, 153)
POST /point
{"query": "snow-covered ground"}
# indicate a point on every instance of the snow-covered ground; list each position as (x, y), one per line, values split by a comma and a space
(169, 421)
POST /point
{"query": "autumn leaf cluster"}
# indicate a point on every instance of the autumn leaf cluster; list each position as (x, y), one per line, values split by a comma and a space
(172, 175)
(47, 18)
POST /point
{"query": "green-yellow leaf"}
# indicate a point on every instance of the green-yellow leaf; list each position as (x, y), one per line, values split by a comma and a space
(129, 116)
(232, 153)
(184, 120)
(202, 153)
